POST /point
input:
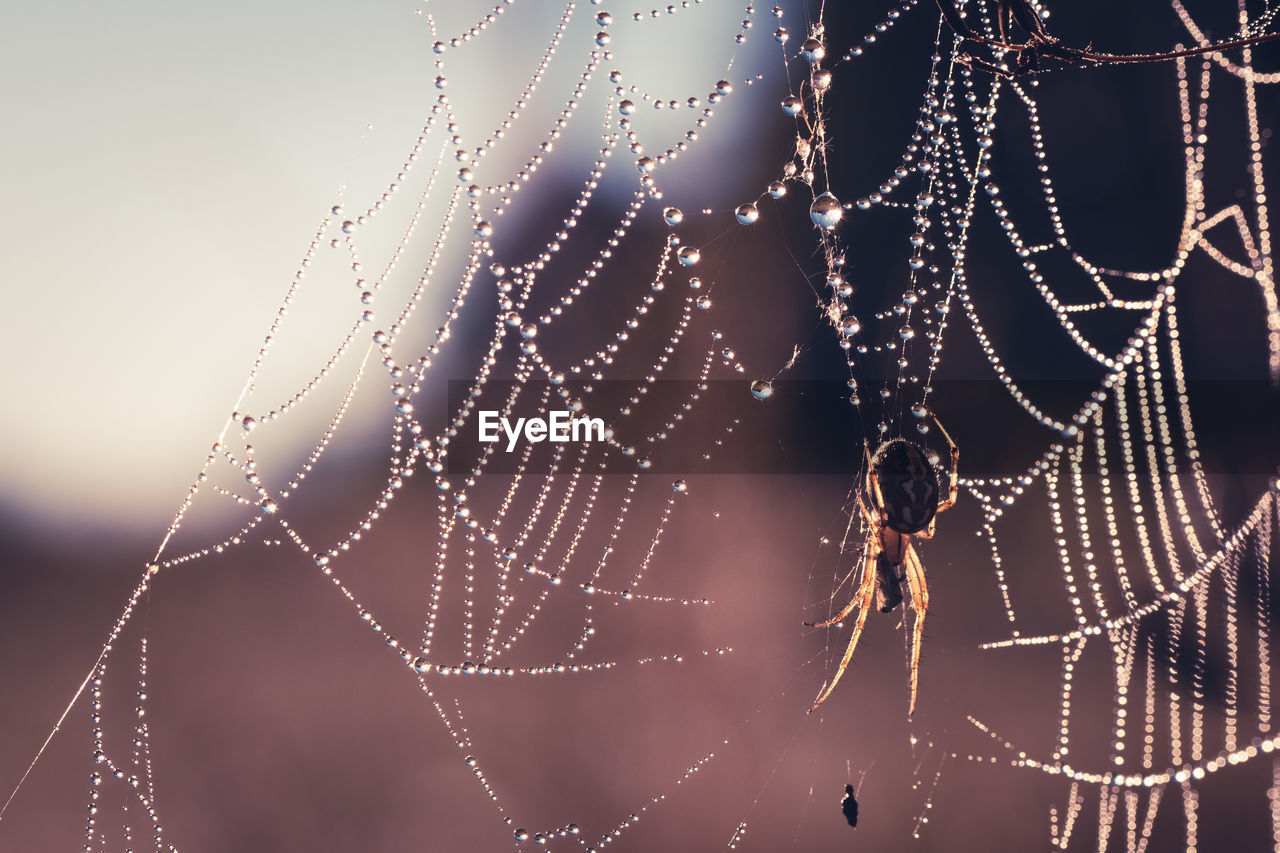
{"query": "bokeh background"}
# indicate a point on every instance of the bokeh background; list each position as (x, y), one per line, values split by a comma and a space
(165, 169)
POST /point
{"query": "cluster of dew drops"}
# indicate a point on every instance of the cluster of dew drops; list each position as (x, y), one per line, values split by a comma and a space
(807, 166)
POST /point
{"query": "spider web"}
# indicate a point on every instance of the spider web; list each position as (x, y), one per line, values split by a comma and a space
(1169, 603)
(518, 578)
(442, 271)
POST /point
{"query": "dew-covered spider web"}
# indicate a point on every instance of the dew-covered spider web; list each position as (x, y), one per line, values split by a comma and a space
(1168, 599)
(365, 629)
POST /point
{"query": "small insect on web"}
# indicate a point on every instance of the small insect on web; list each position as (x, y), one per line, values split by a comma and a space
(849, 806)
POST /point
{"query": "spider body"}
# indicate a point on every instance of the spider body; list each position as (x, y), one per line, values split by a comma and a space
(902, 487)
(908, 487)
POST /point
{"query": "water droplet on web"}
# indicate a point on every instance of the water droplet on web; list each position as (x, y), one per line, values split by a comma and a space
(762, 389)
(812, 50)
(673, 215)
(689, 256)
(747, 213)
(826, 211)
(792, 106)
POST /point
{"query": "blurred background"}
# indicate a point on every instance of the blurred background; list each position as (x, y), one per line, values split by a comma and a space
(168, 166)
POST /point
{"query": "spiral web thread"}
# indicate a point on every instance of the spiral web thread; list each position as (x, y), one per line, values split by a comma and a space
(534, 533)
(1142, 551)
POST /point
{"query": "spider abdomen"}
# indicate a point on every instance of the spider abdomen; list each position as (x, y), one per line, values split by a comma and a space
(908, 486)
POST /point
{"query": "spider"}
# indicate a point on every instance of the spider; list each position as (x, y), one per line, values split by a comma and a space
(1040, 43)
(903, 487)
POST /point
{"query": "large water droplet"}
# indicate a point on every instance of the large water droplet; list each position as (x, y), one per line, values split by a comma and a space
(826, 211)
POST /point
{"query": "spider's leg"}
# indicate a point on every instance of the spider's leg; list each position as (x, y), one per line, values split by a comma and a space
(953, 481)
(867, 516)
(919, 603)
(869, 553)
(877, 496)
(866, 593)
(872, 485)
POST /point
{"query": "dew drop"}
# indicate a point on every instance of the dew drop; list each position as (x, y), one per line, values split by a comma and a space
(826, 211)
